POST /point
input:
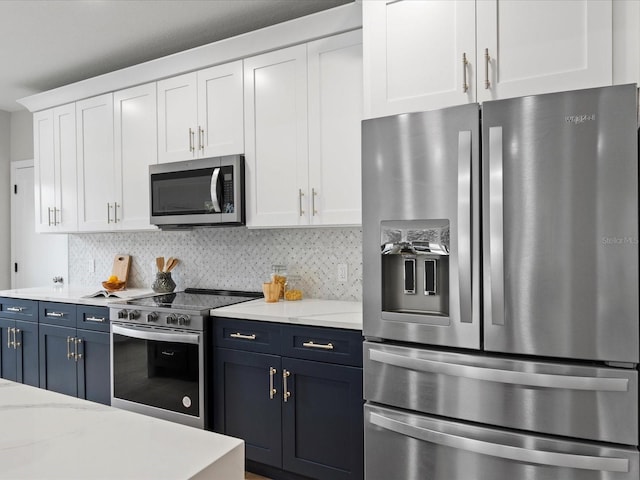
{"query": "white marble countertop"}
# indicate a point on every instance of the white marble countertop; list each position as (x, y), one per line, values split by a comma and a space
(316, 312)
(49, 435)
(72, 294)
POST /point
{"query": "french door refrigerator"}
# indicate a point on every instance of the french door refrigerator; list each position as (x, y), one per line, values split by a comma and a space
(500, 290)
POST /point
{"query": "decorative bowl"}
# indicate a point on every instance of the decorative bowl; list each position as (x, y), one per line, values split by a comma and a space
(113, 286)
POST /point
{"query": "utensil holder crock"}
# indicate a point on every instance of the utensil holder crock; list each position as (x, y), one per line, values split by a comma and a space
(163, 283)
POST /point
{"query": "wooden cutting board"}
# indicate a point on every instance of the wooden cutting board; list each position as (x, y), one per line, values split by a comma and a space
(121, 264)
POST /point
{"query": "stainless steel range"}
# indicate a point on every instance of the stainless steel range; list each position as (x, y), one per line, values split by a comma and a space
(159, 351)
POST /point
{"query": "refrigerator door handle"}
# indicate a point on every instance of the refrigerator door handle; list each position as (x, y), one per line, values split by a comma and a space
(584, 462)
(544, 380)
(463, 268)
(494, 280)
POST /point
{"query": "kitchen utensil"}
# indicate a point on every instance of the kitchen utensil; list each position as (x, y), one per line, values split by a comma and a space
(171, 265)
(166, 265)
(121, 264)
(160, 263)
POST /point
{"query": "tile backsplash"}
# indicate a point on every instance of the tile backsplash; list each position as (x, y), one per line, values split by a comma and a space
(234, 258)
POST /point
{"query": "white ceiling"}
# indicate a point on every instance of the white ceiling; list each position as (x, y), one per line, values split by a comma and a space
(45, 44)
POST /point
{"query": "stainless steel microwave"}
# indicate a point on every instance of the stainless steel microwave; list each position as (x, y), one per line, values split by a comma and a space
(204, 192)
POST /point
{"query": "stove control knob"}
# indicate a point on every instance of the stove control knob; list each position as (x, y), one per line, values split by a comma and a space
(152, 317)
(184, 320)
(171, 318)
(133, 314)
(123, 314)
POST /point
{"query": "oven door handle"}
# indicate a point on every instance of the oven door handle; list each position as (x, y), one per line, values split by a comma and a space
(155, 335)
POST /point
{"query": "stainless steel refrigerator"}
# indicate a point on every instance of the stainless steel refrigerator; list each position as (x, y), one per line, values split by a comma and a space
(500, 290)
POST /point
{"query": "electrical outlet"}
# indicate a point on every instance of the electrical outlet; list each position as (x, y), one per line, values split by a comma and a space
(343, 272)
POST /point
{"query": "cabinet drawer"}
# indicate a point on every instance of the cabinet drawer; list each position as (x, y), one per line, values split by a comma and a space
(248, 335)
(323, 344)
(92, 318)
(19, 309)
(58, 314)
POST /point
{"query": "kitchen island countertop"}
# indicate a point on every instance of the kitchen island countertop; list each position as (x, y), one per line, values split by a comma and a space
(73, 294)
(49, 435)
(311, 311)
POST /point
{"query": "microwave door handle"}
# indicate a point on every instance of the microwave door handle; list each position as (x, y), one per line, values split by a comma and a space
(214, 190)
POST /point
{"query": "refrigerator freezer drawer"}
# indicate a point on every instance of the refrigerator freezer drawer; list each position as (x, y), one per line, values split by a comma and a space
(594, 403)
(412, 446)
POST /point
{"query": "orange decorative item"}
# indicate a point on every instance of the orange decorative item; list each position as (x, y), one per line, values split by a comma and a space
(271, 292)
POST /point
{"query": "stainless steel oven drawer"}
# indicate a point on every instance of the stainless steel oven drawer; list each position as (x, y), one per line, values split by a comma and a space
(594, 403)
(405, 445)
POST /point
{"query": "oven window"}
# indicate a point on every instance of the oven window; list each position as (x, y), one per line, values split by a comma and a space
(159, 374)
(182, 193)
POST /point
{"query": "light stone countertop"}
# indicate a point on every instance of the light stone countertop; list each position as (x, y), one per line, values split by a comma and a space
(316, 312)
(49, 435)
(73, 294)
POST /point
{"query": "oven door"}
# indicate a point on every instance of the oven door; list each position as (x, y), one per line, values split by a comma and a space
(158, 372)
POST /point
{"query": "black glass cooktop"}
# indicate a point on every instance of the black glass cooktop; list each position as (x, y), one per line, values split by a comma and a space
(195, 299)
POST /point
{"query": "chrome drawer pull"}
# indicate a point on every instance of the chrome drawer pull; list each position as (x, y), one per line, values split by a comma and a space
(286, 393)
(96, 319)
(310, 344)
(243, 337)
(55, 314)
(15, 309)
(16, 343)
(272, 391)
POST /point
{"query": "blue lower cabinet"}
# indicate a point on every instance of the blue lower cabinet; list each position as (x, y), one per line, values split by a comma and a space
(299, 407)
(248, 402)
(322, 420)
(75, 361)
(19, 351)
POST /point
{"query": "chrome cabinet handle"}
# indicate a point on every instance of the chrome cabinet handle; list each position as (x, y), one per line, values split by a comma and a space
(272, 391)
(55, 216)
(9, 343)
(487, 58)
(539, 380)
(76, 342)
(191, 140)
(314, 212)
(286, 393)
(200, 138)
(465, 62)
(242, 336)
(108, 212)
(115, 212)
(311, 344)
(96, 319)
(16, 343)
(49, 215)
(69, 352)
(459, 442)
(14, 309)
(55, 314)
(300, 195)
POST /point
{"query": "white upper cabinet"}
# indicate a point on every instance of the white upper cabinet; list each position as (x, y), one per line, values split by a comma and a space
(135, 137)
(335, 115)
(276, 164)
(303, 108)
(421, 54)
(200, 114)
(540, 47)
(413, 55)
(54, 132)
(98, 209)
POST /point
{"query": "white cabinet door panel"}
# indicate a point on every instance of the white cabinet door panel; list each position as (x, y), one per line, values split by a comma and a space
(276, 138)
(220, 110)
(96, 175)
(136, 139)
(64, 129)
(413, 53)
(335, 115)
(543, 46)
(44, 170)
(177, 118)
